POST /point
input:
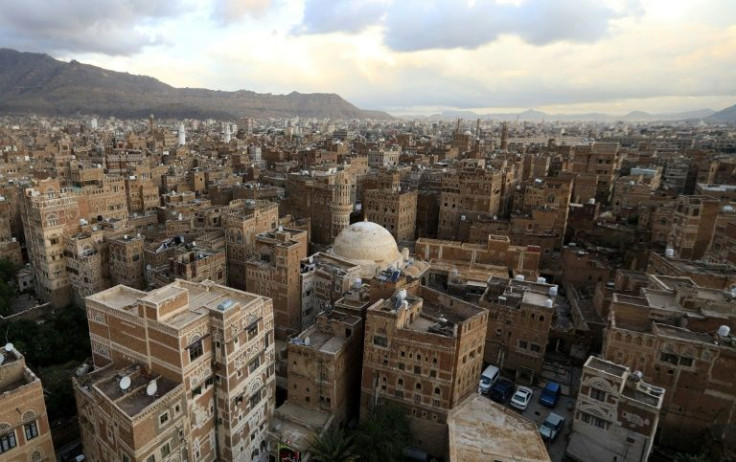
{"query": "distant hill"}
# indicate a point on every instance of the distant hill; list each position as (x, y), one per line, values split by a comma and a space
(726, 115)
(38, 83)
(534, 115)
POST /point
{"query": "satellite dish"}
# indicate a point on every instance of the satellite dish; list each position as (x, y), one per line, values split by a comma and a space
(125, 383)
(151, 388)
(724, 331)
(9, 347)
(2, 359)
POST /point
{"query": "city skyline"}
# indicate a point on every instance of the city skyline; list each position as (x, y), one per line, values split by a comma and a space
(405, 58)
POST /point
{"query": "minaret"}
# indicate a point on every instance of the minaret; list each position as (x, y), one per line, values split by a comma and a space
(151, 124)
(341, 203)
(182, 135)
(504, 137)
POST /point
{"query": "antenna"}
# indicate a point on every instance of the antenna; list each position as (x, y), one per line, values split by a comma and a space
(125, 383)
(151, 388)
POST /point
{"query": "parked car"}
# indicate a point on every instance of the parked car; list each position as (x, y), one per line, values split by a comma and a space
(521, 398)
(488, 378)
(502, 390)
(550, 394)
(551, 427)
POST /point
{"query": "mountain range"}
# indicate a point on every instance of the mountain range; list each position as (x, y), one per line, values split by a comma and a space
(726, 115)
(37, 83)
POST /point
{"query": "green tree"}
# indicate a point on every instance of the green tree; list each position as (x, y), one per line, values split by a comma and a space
(333, 446)
(694, 457)
(383, 435)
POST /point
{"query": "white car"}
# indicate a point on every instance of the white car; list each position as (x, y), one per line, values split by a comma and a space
(521, 398)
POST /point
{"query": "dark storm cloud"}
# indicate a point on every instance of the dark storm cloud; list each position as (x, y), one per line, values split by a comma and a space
(100, 26)
(413, 25)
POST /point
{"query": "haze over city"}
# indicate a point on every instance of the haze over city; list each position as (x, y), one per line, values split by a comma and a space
(408, 57)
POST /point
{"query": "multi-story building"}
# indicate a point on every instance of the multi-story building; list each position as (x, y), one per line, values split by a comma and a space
(323, 279)
(467, 193)
(394, 210)
(208, 348)
(616, 414)
(24, 424)
(693, 225)
(601, 162)
(520, 314)
(424, 353)
(243, 220)
(678, 335)
(325, 197)
(274, 273)
(127, 260)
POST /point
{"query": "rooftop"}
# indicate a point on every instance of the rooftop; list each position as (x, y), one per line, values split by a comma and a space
(481, 430)
(606, 366)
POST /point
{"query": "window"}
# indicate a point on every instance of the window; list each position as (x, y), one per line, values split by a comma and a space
(687, 362)
(252, 330)
(31, 430)
(522, 344)
(595, 421)
(195, 349)
(380, 341)
(163, 418)
(600, 395)
(534, 347)
(668, 358)
(253, 365)
(7, 442)
(255, 399)
(417, 369)
(165, 450)
(126, 458)
(151, 458)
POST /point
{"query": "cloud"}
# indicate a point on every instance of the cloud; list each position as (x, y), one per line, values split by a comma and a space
(109, 27)
(412, 25)
(325, 16)
(229, 11)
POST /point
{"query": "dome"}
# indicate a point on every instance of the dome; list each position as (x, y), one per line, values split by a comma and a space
(367, 244)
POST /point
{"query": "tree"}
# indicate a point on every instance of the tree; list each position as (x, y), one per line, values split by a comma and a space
(383, 435)
(694, 457)
(333, 446)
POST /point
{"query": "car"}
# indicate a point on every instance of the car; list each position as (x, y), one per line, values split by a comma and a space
(488, 378)
(521, 398)
(502, 390)
(551, 427)
(550, 394)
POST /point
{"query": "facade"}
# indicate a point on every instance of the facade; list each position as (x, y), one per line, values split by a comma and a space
(274, 273)
(693, 226)
(243, 221)
(24, 425)
(127, 260)
(209, 348)
(323, 279)
(672, 331)
(394, 210)
(616, 414)
(598, 161)
(467, 193)
(424, 353)
(520, 315)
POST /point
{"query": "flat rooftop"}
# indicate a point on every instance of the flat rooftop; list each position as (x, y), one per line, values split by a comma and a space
(118, 297)
(481, 430)
(606, 366)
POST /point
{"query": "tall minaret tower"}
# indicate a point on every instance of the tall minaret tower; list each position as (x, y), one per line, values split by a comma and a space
(341, 205)
(182, 135)
(504, 137)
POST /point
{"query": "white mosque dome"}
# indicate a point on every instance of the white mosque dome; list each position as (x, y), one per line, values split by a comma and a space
(367, 244)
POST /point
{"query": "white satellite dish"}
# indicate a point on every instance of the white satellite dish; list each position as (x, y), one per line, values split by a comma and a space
(151, 388)
(2, 359)
(125, 383)
(724, 331)
(9, 347)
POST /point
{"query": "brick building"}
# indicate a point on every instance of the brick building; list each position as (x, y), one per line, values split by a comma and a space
(467, 193)
(616, 414)
(24, 426)
(210, 351)
(423, 352)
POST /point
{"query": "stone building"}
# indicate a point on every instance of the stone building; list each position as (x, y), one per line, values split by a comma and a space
(467, 193)
(616, 414)
(678, 335)
(24, 426)
(243, 221)
(523, 260)
(520, 314)
(210, 350)
(424, 353)
(323, 279)
(274, 273)
(600, 162)
(394, 210)
(325, 197)
(693, 225)
(127, 260)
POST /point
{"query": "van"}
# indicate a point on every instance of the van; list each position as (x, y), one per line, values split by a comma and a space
(550, 394)
(488, 378)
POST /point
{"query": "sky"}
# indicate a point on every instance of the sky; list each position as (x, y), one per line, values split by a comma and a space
(408, 56)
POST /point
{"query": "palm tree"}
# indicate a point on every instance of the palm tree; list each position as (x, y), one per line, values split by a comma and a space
(333, 445)
(383, 435)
